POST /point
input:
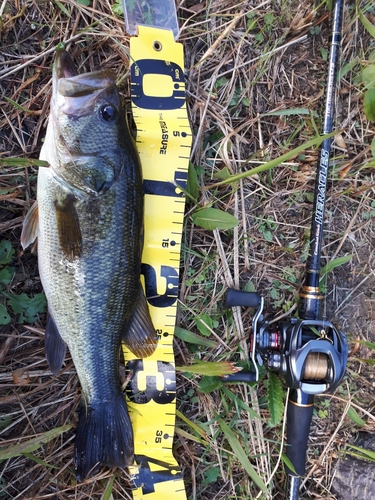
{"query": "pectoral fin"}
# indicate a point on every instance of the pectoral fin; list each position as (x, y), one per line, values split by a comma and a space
(140, 336)
(55, 346)
(30, 226)
(68, 227)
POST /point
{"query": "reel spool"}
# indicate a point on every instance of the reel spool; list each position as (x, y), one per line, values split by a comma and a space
(316, 367)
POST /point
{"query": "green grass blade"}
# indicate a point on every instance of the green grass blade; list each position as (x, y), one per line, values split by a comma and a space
(353, 415)
(241, 454)
(32, 444)
(331, 266)
(39, 461)
(22, 162)
(367, 454)
(274, 163)
(367, 24)
(107, 495)
(238, 401)
(193, 338)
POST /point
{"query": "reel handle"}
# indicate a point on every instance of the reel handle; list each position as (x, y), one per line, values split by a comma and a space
(244, 299)
(299, 415)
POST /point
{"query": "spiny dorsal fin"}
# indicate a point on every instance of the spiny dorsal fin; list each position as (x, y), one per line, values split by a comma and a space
(140, 337)
(30, 226)
(68, 227)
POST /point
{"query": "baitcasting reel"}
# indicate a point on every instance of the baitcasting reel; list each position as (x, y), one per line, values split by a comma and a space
(311, 355)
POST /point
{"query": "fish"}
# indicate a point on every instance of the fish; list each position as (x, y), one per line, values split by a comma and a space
(88, 222)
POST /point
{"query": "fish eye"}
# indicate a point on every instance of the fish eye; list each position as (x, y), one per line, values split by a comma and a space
(108, 112)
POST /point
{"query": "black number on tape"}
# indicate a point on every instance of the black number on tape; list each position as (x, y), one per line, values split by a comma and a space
(169, 297)
(144, 67)
(164, 188)
(165, 378)
(160, 473)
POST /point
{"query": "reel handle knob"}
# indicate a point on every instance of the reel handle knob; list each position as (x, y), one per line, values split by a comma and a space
(245, 299)
(299, 415)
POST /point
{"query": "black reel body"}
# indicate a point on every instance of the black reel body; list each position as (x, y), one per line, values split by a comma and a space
(311, 355)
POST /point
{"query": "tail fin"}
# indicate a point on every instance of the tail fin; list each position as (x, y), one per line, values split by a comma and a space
(104, 437)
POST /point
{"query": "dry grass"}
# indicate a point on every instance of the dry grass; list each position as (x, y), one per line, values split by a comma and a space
(244, 60)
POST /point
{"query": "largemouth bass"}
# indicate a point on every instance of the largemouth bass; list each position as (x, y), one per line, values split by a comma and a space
(88, 220)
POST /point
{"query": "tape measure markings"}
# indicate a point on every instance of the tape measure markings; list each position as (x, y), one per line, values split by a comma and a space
(163, 134)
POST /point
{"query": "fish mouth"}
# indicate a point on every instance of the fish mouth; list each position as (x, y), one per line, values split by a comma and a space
(70, 83)
(64, 66)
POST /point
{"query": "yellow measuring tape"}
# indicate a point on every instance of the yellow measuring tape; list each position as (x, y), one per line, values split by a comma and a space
(163, 143)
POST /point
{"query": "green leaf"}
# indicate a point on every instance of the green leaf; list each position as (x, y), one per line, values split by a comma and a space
(288, 463)
(211, 475)
(368, 344)
(5, 420)
(62, 8)
(193, 182)
(369, 104)
(117, 8)
(367, 24)
(368, 76)
(4, 316)
(6, 252)
(209, 384)
(204, 324)
(32, 444)
(6, 275)
(241, 454)
(373, 147)
(345, 69)
(26, 307)
(366, 361)
(218, 368)
(353, 415)
(275, 399)
(213, 218)
(290, 112)
(224, 173)
(3, 488)
(331, 266)
(193, 338)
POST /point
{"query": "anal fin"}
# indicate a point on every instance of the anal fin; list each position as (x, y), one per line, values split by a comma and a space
(140, 336)
(55, 346)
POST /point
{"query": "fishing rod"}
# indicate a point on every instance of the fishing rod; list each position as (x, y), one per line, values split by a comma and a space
(310, 353)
